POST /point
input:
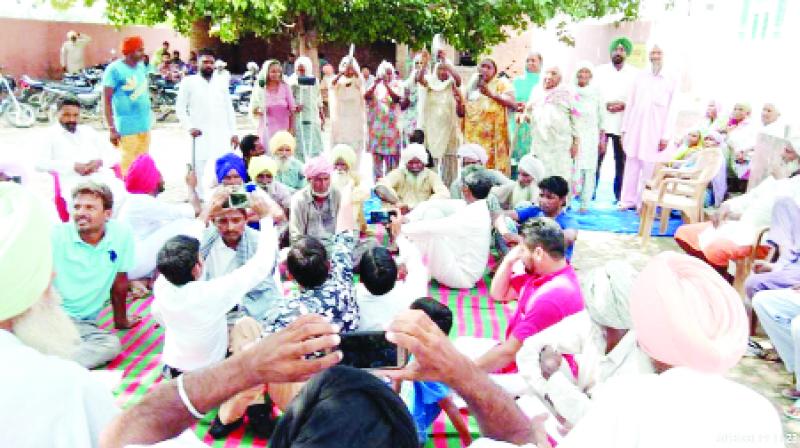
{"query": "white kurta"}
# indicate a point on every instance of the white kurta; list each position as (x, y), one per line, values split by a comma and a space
(591, 111)
(579, 336)
(49, 401)
(206, 105)
(614, 85)
(72, 54)
(450, 229)
(63, 149)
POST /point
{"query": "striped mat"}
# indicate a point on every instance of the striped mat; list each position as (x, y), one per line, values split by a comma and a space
(474, 315)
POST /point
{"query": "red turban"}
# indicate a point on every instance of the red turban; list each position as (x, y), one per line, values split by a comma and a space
(131, 44)
(143, 176)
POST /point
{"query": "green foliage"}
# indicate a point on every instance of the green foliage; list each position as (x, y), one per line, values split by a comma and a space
(472, 25)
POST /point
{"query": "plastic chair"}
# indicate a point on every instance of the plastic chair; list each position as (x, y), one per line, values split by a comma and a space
(682, 190)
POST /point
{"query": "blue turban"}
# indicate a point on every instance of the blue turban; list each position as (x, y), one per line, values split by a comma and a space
(230, 162)
(625, 42)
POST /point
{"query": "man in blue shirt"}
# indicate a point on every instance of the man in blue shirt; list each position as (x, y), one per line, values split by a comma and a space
(553, 193)
(91, 258)
(127, 102)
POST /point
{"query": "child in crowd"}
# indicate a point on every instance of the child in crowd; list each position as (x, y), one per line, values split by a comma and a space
(427, 399)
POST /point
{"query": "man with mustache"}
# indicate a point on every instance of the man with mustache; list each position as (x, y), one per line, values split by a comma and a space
(91, 260)
(75, 154)
(39, 337)
(205, 110)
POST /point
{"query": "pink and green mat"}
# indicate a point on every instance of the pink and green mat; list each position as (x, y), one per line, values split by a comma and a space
(473, 312)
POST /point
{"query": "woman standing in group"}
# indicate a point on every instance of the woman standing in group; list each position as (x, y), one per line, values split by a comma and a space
(346, 95)
(521, 129)
(588, 105)
(309, 119)
(383, 119)
(272, 103)
(443, 107)
(414, 101)
(488, 100)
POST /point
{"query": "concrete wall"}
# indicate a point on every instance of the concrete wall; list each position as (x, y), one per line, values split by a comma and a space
(32, 47)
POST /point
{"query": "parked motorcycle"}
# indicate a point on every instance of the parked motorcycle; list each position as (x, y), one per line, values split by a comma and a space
(15, 112)
(163, 95)
(90, 99)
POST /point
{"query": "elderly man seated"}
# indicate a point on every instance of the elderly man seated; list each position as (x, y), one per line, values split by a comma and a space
(91, 259)
(453, 229)
(39, 337)
(567, 363)
(314, 209)
(547, 290)
(734, 228)
(154, 221)
(473, 154)
(741, 133)
(553, 192)
(525, 191)
(76, 153)
(411, 183)
(262, 170)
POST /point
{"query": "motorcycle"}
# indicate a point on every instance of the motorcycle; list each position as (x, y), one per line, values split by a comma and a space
(43, 95)
(90, 99)
(240, 92)
(163, 95)
(16, 113)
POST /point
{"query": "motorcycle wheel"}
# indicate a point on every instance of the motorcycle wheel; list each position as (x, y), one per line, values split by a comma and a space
(20, 115)
(52, 113)
(41, 103)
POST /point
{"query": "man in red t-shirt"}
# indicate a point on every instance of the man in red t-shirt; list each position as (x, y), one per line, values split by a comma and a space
(548, 290)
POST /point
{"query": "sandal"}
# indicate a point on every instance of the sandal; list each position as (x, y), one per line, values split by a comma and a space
(792, 412)
(792, 394)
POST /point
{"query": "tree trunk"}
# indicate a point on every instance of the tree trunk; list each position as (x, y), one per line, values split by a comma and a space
(306, 43)
(199, 36)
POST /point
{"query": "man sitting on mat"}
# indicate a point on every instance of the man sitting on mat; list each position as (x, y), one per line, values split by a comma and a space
(553, 193)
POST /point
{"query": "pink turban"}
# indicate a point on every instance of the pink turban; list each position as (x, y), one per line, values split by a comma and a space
(316, 166)
(143, 176)
(685, 314)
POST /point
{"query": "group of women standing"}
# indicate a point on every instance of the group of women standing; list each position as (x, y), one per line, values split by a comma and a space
(508, 119)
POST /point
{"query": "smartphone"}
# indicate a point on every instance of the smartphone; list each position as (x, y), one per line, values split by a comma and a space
(371, 350)
(306, 80)
(238, 200)
(16, 179)
(381, 216)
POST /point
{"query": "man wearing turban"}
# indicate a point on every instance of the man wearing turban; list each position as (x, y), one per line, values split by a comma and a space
(315, 208)
(474, 155)
(347, 106)
(127, 102)
(411, 183)
(596, 343)
(282, 146)
(72, 51)
(154, 221)
(614, 82)
(690, 323)
(263, 170)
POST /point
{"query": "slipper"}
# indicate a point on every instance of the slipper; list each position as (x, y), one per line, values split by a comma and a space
(771, 355)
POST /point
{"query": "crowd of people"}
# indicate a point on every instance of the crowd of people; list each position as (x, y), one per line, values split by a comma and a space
(466, 176)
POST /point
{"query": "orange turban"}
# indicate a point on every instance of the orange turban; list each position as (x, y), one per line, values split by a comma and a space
(131, 44)
(686, 315)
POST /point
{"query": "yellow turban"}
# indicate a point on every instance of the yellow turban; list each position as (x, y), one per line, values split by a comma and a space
(344, 152)
(26, 259)
(259, 164)
(280, 139)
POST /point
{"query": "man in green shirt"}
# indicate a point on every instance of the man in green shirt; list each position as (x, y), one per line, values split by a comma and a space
(91, 258)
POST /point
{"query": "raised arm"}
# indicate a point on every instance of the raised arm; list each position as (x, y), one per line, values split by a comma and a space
(278, 358)
(502, 289)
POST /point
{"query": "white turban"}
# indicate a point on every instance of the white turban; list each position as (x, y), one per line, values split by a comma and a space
(533, 166)
(383, 67)
(606, 291)
(413, 151)
(304, 61)
(473, 151)
(26, 259)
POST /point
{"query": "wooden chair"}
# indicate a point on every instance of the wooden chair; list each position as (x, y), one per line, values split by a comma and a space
(682, 190)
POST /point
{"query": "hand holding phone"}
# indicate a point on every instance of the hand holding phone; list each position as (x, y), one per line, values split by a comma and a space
(371, 350)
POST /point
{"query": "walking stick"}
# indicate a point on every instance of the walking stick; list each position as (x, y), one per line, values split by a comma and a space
(194, 154)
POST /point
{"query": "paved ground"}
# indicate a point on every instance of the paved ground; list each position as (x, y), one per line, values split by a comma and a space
(171, 150)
